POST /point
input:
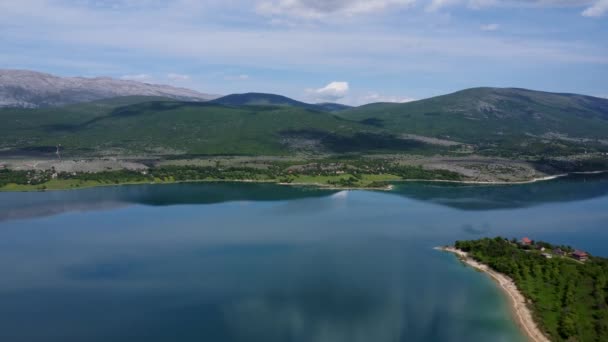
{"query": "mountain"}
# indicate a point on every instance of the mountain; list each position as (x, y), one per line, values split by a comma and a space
(30, 89)
(262, 99)
(488, 121)
(518, 118)
(168, 127)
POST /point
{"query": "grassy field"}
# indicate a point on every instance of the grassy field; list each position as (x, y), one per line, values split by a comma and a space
(63, 184)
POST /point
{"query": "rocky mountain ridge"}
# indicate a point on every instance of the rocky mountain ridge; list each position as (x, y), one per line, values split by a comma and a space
(31, 89)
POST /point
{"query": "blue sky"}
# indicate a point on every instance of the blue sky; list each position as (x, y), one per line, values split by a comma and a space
(349, 51)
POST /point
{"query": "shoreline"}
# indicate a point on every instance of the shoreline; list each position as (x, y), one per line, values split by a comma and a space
(518, 302)
(250, 181)
(389, 187)
(533, 180)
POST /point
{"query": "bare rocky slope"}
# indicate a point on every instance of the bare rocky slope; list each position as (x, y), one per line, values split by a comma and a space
(31, 89)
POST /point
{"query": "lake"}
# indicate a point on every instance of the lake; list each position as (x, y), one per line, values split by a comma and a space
(259, 262)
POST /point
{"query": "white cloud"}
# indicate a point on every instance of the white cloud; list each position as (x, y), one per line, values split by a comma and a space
(490, 27)
(301, 48)
(597, 10)
(137, 77)
(331, 92)
(177, 77)
(322, 8)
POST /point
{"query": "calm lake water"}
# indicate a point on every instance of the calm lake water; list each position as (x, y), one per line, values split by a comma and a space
(247, 262)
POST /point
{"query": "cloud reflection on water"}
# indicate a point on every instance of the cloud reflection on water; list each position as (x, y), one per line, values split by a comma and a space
(316, 268)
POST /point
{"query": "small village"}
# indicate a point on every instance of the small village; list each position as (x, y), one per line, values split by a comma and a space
(549, 251)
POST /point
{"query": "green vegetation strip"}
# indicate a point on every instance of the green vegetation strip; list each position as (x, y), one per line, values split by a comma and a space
(340, 175)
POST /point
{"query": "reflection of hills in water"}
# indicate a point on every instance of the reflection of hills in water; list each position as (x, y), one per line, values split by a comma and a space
(209, 193)
(39, 204)
(464, 197)
(489, 197)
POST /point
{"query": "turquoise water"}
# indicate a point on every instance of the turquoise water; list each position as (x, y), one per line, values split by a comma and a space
(246, 262)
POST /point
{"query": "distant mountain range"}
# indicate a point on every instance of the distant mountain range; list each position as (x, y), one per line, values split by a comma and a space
(490, 116)
(490, 121)
(30, 89)
(260, 99)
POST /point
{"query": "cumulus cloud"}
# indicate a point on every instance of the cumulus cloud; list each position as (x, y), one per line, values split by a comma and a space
(137, 77)
(321, 8)
(177, 77)
(331, 92)
(490, 27)
(597, 10)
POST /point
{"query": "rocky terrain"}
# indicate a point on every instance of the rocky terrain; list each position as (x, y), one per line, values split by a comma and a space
(31, 89)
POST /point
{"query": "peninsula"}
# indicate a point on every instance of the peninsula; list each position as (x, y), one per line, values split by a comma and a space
(557, 293)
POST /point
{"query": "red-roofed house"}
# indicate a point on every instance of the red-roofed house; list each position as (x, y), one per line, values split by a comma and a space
(580, 255)
(526, 241)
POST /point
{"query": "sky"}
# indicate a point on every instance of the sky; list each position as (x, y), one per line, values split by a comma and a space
(347, 51)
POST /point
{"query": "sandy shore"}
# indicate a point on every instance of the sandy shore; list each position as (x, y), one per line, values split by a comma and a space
(520, 310)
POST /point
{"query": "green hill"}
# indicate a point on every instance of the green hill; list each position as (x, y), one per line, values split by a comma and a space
(201, 128)
(490, 121)
(507, 118)
(256, 99)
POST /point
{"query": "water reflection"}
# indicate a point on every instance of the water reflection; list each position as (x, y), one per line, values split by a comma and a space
(464, 197)
(489, 197)
(320, 315)
(377, 294)
(40, 204)
(352, 290)
(266, 263)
